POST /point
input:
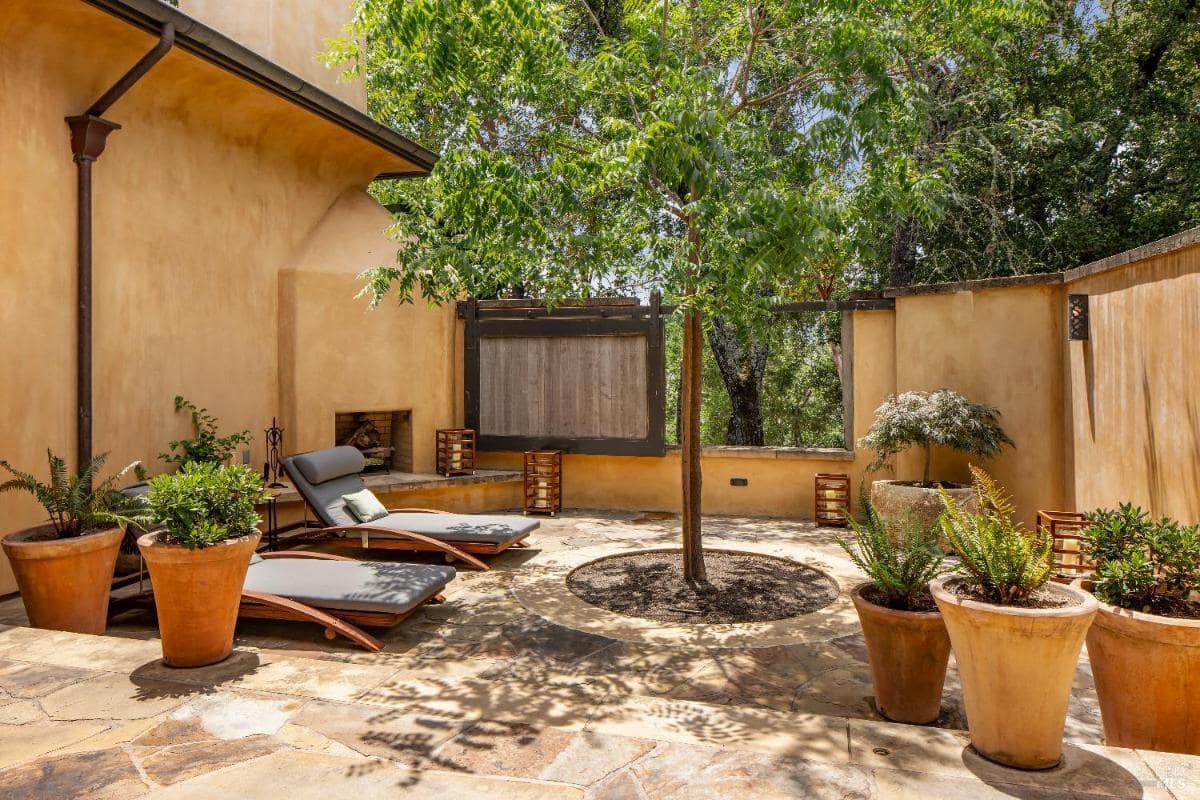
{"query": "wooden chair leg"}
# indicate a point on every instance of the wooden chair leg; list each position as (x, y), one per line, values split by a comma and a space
(301, 612)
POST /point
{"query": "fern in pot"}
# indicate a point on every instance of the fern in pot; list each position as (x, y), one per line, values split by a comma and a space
(1016, 637)
(928, 422)
(907, 643)
(199, 556)
(64, 567)
(1144, 645)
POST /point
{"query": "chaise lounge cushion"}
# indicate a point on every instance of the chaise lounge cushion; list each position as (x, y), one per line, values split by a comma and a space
(348, 585)
(477, 528)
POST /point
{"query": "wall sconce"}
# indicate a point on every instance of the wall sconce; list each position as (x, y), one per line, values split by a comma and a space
(1077, 317)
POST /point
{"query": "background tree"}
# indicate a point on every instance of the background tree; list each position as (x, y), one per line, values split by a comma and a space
(684, 145)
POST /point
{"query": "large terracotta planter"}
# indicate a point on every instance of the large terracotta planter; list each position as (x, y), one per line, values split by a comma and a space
(64, 583)
(1016, 666)
(1147, 672)
(908, 651)
(900, 500)
(196, 594)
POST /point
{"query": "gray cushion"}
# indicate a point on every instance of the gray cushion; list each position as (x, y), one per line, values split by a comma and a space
(320, 466)
(326, 498)
(456, 527)
(349, 585)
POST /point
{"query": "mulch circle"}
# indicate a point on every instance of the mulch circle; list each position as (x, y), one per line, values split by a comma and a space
(742, 587)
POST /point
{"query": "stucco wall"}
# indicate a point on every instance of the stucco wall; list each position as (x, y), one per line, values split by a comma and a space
(1002, 347)
(338, 355)
(211, 187)
(1133, 388)
(289, 32)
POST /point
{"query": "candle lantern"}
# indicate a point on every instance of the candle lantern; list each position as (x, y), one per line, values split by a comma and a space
(456, 451)
(543, 482)
(832, 498)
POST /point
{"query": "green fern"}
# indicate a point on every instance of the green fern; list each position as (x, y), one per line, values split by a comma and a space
(900, 560)
(77, 504)
(999, 560)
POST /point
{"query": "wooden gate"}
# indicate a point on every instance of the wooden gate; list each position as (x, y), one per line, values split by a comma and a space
(583, 378)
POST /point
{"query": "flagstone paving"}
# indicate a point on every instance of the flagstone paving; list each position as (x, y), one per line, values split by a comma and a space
(512, 690)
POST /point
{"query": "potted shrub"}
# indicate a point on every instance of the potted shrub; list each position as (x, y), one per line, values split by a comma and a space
(926, 420)
(198, 559)
(1016, 637)
(1145, 642)
(907, 643)
(64, 568)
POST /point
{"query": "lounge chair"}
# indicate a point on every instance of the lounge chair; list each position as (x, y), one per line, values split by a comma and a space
(339, 593)
(323, 477)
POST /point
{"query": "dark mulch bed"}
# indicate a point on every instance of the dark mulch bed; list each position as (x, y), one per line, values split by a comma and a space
(742, 587)
(1170, 607)
(922, 601)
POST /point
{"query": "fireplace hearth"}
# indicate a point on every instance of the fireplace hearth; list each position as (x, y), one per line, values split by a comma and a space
(383, 437)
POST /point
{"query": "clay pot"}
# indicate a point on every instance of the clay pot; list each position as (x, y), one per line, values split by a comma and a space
(1146, 669)
(64, 583)
(908, 651)
(899, 500)
(1016, 666)
(197, 593)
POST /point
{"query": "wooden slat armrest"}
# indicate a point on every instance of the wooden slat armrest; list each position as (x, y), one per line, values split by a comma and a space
(417, 511)
(305, 554)
(416, 537)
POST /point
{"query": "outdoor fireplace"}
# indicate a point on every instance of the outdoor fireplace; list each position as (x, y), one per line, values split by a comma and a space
(384, 437)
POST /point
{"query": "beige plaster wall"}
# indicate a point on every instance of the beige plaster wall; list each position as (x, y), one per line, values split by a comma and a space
(1133, 388)
(1002, 347)
(209, 190)
(289, 32)
(337, 354)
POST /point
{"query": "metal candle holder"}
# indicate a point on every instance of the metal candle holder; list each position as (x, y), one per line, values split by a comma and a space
(274, 447)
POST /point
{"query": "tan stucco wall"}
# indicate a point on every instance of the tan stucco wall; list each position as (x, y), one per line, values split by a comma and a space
(1002, 347)
(210, 189)
(339, 355)
(1133, 388)
(289, 32)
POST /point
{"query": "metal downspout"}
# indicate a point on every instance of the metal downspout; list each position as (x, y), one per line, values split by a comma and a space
(88, 134)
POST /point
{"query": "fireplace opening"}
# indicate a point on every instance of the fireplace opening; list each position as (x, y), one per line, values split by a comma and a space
(383, 437)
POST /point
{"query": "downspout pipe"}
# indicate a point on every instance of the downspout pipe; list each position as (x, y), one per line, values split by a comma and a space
(89, 131)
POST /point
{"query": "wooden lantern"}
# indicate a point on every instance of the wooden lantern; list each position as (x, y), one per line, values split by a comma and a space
(832, 499)
(456, 451)
(543, 482)
(1065, 529)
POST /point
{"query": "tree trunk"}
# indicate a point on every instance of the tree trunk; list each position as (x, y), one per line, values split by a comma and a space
(742, 360)
(902, 260)
(689, 402)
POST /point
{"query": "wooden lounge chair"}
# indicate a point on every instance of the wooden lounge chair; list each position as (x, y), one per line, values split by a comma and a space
(336, 592)
(323, 477)
(339, 593)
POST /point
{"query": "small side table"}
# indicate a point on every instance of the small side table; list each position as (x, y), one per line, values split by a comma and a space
(272, 504)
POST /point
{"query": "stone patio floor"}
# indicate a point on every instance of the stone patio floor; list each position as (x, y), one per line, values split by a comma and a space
(514, 689)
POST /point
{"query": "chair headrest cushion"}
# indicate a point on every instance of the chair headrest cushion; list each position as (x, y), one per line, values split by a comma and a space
(325, 465)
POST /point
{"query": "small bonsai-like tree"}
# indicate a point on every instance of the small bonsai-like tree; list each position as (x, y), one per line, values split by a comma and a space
(900, 560)
(207, 446)
(1141, 563)
(76, 504)
(924, 419)
(205, 503)
(1000, 561)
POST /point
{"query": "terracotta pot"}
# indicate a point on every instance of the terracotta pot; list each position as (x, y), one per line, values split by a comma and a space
(898, 500)
(64, 583)
(196, 594)
(908, 651)
(1016, 666)
(1146, 669)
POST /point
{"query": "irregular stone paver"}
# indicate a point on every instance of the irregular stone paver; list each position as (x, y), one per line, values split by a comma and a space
(98, 775)
(499, 694)
(179, 762)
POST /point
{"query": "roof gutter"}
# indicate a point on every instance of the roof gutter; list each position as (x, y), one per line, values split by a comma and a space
(218, 49)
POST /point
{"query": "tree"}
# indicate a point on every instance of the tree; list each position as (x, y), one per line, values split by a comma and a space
(684, 145)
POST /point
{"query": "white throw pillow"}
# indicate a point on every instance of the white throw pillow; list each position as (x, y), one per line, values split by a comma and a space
(364, 506)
